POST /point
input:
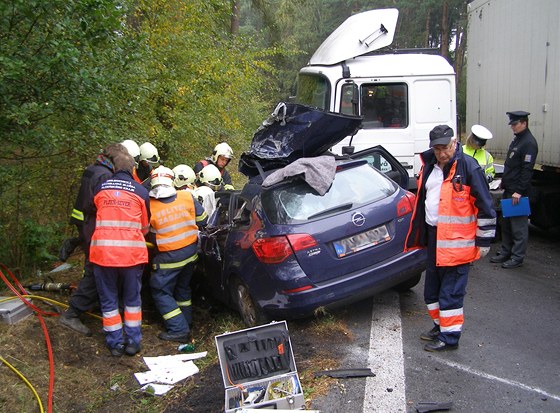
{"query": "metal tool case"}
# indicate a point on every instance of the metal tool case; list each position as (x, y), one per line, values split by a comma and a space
(258, 369)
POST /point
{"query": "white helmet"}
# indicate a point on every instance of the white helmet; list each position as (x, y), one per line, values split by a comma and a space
(162, 176)
(222, 149)
(481, 132)
(210, 175)
(149, 153)
(132, 148)
(184, 175)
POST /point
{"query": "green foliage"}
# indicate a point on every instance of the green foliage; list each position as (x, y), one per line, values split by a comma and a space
(76, 75)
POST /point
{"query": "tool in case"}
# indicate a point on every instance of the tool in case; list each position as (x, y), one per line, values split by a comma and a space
(258, 369)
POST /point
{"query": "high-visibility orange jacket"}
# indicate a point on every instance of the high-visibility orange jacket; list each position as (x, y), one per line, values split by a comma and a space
(174, 222)
(122, 219)
(467, 219)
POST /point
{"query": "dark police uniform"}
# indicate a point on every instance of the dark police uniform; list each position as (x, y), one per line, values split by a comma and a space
(518, 171)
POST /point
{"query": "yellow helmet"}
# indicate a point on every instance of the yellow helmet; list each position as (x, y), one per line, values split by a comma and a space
(149, 153)
(210, 176)
(184, 175)
(221, 149)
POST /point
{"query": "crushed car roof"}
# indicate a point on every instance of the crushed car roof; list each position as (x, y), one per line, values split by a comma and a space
(294, 131)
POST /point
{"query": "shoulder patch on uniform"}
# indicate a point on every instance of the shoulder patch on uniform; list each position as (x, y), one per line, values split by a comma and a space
(528, 158)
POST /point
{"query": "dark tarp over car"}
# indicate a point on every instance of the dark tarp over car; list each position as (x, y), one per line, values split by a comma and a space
(294, 131)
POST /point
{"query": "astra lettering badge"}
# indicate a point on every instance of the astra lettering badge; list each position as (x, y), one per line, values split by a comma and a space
(358, 219)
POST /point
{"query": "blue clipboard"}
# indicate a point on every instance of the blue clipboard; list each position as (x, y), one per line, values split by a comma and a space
(521, 209)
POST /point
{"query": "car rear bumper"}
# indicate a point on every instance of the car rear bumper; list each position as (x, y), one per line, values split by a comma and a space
(350, 288)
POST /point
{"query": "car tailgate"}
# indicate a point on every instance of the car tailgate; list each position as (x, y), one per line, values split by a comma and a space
(352, 240)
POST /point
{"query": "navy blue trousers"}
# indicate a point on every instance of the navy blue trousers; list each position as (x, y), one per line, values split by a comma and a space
(444, 292)
(108, 281)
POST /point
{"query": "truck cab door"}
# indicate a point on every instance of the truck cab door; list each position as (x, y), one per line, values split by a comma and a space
(379, 158)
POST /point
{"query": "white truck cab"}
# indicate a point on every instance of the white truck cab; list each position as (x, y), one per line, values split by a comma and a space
(401, 96)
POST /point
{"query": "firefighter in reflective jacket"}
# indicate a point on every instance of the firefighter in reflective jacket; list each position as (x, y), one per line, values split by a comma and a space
(176, 217)
(454, 219)
(118, 252)
(83, 216)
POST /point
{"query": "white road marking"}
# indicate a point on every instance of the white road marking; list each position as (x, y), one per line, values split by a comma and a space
(386, 391)
(500, 379)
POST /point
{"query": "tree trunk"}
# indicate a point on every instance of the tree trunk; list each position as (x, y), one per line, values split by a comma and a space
(234, 17)
(427, 38)
(445, 29)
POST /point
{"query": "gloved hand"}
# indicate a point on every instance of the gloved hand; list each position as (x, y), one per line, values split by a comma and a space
(483, 251)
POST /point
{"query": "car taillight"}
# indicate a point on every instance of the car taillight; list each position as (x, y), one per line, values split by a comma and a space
(301, 241)
(406, 204)
(276, 249)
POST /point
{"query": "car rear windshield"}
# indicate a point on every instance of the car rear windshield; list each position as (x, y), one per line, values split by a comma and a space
(297, 202)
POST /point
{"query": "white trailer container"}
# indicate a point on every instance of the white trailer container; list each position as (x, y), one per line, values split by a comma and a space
(513, 63)
(400, 95)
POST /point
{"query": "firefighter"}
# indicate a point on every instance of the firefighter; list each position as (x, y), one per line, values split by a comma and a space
(118, 252)
(176, 218)
(454, 219)
(134, 151)
(149, 159)
(184, 178)
(85, 296)
(209, 180)
(220, 158)
(474, 146)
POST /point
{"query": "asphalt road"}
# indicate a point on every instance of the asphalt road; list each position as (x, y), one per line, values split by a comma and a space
(509, 354)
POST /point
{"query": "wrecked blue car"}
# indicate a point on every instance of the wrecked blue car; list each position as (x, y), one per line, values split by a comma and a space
(309, 231)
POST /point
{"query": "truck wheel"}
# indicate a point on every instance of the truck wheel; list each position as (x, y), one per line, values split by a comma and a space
(251, 314)
(408, 284)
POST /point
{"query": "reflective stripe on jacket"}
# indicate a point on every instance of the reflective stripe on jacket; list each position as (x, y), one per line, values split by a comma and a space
(484, 159)
(467, 219)
(122, 220)
(174, 222)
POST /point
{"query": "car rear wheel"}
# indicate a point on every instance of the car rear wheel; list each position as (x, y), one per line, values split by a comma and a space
(251, 314)
(408, 284)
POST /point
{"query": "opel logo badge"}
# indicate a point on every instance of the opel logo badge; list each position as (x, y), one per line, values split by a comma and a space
(358, 219)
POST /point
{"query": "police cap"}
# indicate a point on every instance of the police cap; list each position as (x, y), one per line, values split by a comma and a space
(517, 115)
(481, 132)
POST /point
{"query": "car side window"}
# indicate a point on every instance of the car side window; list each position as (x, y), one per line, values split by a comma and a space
(243, 214)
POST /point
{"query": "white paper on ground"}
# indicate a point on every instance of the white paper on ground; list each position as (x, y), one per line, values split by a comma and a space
(154, 363)
(157, 389)
(168, 369)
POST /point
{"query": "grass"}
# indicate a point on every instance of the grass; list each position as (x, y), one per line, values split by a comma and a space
(88, 379)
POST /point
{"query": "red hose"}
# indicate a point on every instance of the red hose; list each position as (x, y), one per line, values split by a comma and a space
(40, 314)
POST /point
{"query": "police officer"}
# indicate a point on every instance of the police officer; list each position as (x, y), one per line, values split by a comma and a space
(455, 221)
(516, 183)
(474, 146)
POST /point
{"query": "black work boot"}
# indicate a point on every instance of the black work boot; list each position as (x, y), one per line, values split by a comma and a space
(178, 337)
(71, 319)
(430, 335)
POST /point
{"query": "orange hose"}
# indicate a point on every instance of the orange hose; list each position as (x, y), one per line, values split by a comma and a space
(40, 314)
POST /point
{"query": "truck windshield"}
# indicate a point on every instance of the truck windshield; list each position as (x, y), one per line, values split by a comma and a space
(384, 105)
(313, 90)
